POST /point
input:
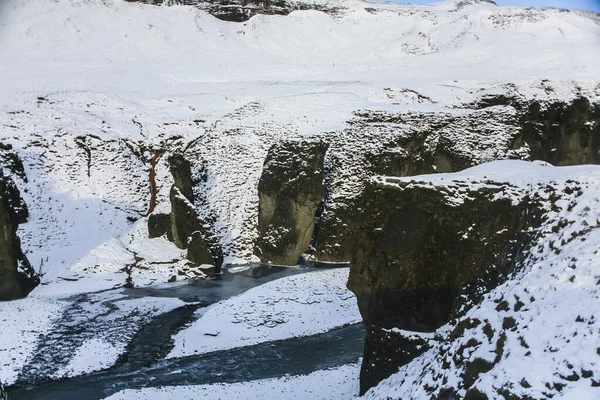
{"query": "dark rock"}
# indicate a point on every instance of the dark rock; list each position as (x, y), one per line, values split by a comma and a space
(3, 395)
(17, 277)
(420, 258)
(242, 10)
(11, 161)
(385, 350)
(184, 218)
(563, 133)
(475, 394)
(413, 256)
(473, 369)
(198, 250)
(290, 190)
(182, 175)
(448, 394)
(184, 226)
(158, 225)
(190, 231)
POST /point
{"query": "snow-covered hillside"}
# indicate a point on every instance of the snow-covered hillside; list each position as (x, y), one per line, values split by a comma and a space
(122, 80)
(94, 92)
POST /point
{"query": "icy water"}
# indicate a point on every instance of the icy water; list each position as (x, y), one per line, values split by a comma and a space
(143, 364)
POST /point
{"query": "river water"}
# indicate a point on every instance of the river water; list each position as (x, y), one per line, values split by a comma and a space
(144, 365)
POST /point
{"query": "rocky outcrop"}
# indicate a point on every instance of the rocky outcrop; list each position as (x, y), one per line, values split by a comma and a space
(562, 133)
(159, 225)
(185, 227)
(290, 190)
(496, 335)
(424, 253)
(243, 10)
(385, 350)
(17, 277)
(495, 127)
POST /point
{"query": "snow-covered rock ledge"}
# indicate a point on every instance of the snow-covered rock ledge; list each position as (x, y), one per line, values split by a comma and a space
(500, 263)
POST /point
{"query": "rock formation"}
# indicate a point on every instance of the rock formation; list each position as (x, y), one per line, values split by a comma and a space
(17, 277)
(243, 10)
(562, 133)
(419, 257)
(495, 127)
(184, 226)
(290, 190)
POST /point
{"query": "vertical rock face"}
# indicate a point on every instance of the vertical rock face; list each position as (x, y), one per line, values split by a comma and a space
(494, 127)
(17, 277)
(290, 190)
(187, 229)
(420, 256)
(563, 133)
(159, 224)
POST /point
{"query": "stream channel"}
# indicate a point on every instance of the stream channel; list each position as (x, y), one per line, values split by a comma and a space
(144, 365)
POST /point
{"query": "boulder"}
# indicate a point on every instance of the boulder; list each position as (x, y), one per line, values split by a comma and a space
(17, 277)
(199, 251)
(289, 191)
(159, 224)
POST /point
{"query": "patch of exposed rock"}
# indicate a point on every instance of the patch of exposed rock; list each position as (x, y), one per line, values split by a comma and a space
(243, 10)
(562, 133)
(17, 277)
(290, 191)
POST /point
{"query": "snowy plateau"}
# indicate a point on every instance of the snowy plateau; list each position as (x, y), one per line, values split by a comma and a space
(431, 169)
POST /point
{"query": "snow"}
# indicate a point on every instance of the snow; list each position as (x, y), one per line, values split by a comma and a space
(337, 383)
(68, 336)
(94, 354)
(299, 305)
(21, 322)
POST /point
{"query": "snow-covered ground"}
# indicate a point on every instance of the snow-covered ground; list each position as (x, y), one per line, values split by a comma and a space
(45, 337)
(299, 305)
